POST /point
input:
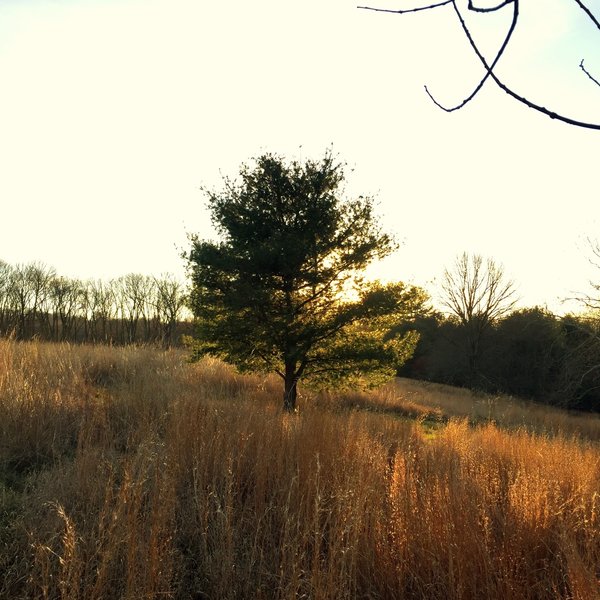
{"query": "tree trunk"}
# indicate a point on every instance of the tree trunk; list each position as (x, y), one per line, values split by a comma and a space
(290, 392)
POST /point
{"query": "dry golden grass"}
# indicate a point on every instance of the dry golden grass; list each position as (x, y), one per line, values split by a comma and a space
(127, 473)
(506, 411)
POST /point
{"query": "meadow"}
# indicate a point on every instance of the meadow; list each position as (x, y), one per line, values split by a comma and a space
(126, 472)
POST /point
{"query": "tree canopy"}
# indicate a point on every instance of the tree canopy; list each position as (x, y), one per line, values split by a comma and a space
(282, 288)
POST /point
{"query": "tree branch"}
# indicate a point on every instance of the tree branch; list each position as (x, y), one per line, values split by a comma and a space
(588, 73)
(494, 63)
(408, 10)
(506, 89)
(474, 8)
(490, 68)
(588, 12)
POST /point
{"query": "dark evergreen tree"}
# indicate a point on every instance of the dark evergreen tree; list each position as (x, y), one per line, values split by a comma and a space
(282, 290)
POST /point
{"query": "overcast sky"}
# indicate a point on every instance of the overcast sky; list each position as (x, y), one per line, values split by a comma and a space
(113, 114)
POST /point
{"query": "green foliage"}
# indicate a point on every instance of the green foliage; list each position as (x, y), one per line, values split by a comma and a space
(370, 350)
(282, 289)
(529, 352)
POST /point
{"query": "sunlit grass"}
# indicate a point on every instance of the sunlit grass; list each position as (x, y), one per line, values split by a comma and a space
(505, 411)
(128, 473)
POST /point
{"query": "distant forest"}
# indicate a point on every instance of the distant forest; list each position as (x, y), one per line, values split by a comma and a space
(38, 303)
(529, 352)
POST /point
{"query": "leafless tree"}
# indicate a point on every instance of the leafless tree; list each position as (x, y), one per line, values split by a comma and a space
(20, 299)
(585, 357)
(131, 293)
(6, 295)
(65, 300)
(591, 300)
(477, 293)
(39, 277)
(171, 300)
(28, 295)
(580, 374)
(149, 308)
(489, 66)
(99, 310)
(36, 302)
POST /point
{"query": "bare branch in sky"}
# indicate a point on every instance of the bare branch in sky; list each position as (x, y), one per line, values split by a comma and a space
(498, 55)
(408, 10)
(589, 13)
(489, 68)
(588, 73)
(485, 9)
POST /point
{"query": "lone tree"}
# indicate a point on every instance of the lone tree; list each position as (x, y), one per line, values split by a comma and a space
(477, 293)
(282, 290)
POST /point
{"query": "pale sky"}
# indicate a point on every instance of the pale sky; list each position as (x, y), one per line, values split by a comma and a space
(113, 114)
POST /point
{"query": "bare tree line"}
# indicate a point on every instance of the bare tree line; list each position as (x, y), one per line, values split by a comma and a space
(37, 302)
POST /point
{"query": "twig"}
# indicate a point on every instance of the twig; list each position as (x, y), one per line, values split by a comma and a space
(408, 10)
(505, 88)
(588, 73)
(498, 56)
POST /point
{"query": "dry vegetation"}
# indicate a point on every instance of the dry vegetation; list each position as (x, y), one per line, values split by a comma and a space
(127, 473)
(506, 411)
